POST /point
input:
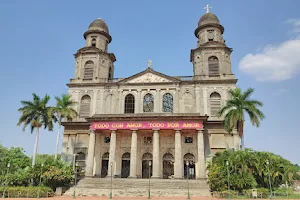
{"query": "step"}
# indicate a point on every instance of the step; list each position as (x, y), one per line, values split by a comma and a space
(139, 187)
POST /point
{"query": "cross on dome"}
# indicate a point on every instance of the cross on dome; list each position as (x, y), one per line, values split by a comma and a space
(150, 64)
(207, 8)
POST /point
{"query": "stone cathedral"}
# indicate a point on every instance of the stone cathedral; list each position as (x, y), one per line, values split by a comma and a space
(149, 124)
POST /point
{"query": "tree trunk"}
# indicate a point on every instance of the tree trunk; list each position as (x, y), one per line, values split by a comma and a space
(35, 146)
(57, 139)
(241, 132)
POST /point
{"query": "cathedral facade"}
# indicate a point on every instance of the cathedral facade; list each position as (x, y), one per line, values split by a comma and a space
(149, 124)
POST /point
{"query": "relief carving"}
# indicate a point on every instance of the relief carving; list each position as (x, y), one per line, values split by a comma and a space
(149, 78)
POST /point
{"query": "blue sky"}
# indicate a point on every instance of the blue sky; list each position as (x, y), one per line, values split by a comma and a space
(38, 40)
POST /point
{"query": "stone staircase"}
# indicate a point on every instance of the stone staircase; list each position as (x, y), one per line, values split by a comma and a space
(139, 187)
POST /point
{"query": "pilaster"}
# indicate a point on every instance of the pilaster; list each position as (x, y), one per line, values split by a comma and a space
(156, 163)
(90, 156)
(112, 154)
(178, 156)
(133, 154)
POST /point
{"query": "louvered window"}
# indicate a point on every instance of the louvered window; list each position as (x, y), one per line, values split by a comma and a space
(85, 106)
(94, 42)
(168, 103)
(215, 103)
(148, 105)
(88, 70)
(110, 73)
(213, 66)
(129, 104)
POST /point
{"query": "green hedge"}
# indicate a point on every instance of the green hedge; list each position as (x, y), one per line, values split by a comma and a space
(16, 192)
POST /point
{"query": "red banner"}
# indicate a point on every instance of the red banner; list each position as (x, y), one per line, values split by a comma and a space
(147, 125)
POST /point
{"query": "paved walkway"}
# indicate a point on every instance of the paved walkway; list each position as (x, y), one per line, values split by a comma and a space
(118, 198)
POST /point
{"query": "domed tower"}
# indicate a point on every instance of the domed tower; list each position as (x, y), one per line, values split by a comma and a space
(93, 62)
(212, 58)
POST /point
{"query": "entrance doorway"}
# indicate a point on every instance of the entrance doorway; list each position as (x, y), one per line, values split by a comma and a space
(146, 168)
(168, 165)
(104, 168)
(189, 169)
(125, 171)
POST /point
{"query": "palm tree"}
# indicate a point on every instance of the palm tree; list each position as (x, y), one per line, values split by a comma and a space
(63, 110)
(36, 113)
(235, 109)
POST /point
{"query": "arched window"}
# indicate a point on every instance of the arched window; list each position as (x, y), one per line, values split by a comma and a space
(80, 156)
(167, 103)
(129, 104)
(215, 103)
(88, 70)
(110, 73)
(85, 106)
(213, 66)
(94, 42)
(148, 105)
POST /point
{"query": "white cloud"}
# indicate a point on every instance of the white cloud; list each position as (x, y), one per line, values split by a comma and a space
(280, 92)
(296, 26)
(275, 63)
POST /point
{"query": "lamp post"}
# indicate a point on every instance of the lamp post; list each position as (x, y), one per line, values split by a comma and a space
(268, 164)
(5, 183)
(228, 174)
(149, 179)
(188, 177)
(111, 174)
(75, 179)
(42, 165)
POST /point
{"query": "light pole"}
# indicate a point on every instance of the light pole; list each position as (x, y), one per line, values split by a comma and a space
(75, 179)
(188, 177)
(268, 164)
(111, 174)
(149, 180)
(5, 183)
(228, 174)
(42, 165)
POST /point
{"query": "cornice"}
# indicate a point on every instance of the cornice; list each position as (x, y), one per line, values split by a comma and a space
(94, 50)
(99, 32)
(107, 84)
(219, 26)
(205, 47)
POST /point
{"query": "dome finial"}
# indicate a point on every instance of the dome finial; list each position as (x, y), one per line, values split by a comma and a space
(207, 8)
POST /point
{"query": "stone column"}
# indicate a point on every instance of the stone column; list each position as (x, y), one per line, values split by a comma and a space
(139, 107)
(157, 107)
(198, 99)
(97, 157)
(90, 156)
(94, 102)
(176, 101)
(205, 104)
(201, 157)
(156, 163)
(133, 153)
(112, 153)
(178, 156)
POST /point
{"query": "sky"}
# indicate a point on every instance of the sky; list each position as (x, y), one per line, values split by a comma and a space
(38, 40)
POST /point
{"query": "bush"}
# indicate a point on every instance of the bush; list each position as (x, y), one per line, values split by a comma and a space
(248, 169)
(32, 192)
(58, 177)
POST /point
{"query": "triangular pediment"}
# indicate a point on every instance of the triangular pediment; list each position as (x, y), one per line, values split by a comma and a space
(149, 76)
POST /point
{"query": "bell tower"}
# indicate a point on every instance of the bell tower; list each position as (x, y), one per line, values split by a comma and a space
(93, 63)
(212, 58)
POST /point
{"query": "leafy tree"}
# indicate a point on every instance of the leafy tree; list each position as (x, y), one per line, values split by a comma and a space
(236, 107)
(36, 114)
(16, 157)
(63, 109)
(248, 169)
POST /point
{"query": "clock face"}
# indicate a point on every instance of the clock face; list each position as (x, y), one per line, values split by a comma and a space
(210, 36)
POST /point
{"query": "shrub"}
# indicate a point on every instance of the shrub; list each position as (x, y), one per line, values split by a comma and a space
(26, 192)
